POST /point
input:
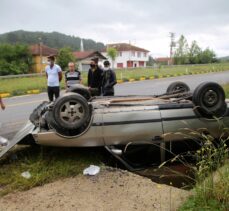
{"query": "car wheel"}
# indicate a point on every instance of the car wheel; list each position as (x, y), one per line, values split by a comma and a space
(177, 87)
(209, 99)
(70, 111)
(82, 90)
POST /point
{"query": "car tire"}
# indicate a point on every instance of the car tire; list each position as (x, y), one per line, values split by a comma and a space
(209, 99)
(82, 90)
(70, 111)
(177, 87)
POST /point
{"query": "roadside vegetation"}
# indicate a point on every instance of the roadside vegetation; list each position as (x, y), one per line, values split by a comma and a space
(211, 190)
(19, 86)
(45, 164)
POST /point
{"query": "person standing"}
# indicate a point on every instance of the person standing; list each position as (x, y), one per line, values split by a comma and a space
(2, 104)
(95, 75)
(72, 76)
(109, 80)
(54, 77)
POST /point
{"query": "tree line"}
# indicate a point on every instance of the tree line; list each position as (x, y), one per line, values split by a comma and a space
(53, 40)
(193, 54)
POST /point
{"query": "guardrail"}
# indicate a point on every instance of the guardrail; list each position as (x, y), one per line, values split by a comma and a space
(22, 75)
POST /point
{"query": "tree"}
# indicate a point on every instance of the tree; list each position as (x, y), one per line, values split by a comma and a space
(207, 56)
(181, 53)
(14, 59)
(65, 56)
(112, 53)
(194, 53)
(151, 61)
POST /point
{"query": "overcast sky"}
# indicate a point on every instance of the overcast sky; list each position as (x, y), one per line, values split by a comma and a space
(145, 23)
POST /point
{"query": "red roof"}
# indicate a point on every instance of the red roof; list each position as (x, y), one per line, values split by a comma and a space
(38, 49)
(162, 59)
(125, 47)
(80, 55)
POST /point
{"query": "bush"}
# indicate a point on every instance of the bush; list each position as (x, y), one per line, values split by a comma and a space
(14, 59)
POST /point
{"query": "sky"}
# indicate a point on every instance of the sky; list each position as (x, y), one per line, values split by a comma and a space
(145, 23)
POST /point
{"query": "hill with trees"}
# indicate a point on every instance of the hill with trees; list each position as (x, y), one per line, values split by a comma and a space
(52, 39)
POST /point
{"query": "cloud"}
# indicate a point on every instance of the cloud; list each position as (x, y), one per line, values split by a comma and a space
(146, 23)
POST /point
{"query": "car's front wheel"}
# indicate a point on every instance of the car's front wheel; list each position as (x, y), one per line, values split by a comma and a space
(177, 87)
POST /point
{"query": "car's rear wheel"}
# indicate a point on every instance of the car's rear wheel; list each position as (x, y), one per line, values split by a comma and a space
(177, 87)
(70, 111)
(209, 99)
(82, 90)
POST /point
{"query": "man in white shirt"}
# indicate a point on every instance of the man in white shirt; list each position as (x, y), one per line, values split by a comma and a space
(54, 77)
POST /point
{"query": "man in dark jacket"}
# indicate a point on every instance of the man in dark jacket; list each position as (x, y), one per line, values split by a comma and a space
(109, 80)
(95, 75)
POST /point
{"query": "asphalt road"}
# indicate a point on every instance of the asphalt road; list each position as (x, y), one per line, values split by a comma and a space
(18, 109)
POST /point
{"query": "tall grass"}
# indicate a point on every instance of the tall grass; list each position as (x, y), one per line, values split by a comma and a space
(211, 191)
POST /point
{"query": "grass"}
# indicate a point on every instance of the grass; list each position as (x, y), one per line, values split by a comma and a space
(19, 86)
(216, 198)
(211, 191)
(45, 164)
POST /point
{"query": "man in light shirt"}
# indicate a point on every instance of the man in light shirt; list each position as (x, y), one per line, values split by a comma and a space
(54, 77)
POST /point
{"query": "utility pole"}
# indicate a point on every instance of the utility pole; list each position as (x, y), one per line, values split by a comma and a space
(40, 50)
(172, 44)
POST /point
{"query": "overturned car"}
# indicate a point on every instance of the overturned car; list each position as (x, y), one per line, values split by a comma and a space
(77, 119)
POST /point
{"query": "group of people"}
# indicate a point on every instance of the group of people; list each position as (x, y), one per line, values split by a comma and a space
(102, 79)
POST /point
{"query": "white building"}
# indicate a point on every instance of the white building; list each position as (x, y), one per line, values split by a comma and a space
(128, 55)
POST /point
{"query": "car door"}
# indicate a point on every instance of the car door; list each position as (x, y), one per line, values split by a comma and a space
(136, 124)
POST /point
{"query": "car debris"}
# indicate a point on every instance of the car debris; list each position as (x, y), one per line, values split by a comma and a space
(92, 170)
(26, 174)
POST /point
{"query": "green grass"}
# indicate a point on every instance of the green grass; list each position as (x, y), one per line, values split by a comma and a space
(19, 86)
(215, 198)
(46, 164)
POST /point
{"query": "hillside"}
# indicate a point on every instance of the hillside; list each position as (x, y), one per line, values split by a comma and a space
(226, 58)
(53, 39)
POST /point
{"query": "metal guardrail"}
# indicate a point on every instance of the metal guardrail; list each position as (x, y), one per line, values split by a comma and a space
(22, 75)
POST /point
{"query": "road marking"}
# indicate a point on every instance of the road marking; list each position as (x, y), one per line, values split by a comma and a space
(19, 104)
(12, 124)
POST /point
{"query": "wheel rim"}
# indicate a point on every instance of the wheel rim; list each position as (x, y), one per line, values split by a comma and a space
(210, 98)
(72, 111)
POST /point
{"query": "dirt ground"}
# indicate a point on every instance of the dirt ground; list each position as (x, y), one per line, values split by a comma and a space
(111, 189)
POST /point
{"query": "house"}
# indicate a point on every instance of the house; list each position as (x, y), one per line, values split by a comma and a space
(128, 55)
(39, 53)
(163, 60)
(83, 58)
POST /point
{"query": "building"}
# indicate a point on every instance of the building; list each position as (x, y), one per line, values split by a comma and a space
(163, 60)
(128, 55)
(39, 53)
(83, 58)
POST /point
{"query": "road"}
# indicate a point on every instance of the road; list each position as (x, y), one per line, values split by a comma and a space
(19, 108)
